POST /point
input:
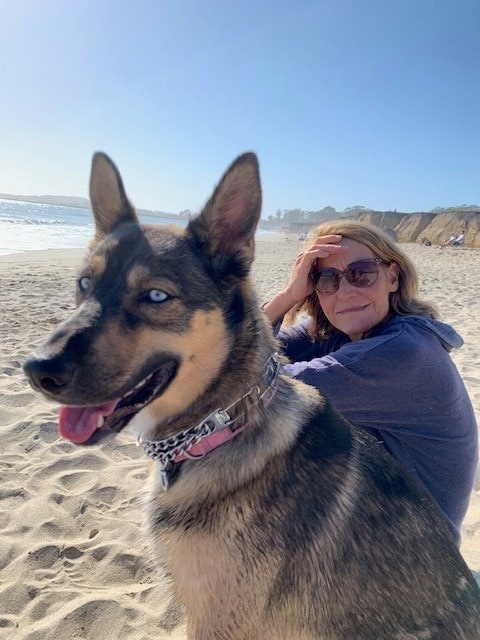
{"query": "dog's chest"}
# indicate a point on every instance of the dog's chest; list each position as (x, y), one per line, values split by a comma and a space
(226, 592)
(214, 572)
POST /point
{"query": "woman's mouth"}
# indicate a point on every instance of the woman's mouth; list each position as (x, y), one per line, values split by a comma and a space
(355, 309)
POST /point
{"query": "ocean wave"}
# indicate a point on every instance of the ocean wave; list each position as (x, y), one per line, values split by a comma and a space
(45, 221)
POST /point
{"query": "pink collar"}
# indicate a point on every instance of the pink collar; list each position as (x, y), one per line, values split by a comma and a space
(216, 429)
(208, 443)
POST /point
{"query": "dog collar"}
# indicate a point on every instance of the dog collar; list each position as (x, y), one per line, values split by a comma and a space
(216, 429)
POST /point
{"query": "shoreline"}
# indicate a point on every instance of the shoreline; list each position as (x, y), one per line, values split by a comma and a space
(265, 236)
(32, 253)
(42, 255)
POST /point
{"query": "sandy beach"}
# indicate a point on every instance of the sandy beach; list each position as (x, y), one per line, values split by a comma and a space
(74, 555)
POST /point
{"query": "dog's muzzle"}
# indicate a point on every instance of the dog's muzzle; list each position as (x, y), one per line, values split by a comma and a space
(79, 421)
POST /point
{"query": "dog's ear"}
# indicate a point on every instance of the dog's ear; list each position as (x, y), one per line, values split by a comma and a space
(225, 229)
(109, 201)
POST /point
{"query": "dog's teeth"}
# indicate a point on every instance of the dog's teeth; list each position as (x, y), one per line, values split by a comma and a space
(100, 422)
(140, 384)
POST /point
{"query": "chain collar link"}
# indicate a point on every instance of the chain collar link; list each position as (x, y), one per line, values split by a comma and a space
(165, 451)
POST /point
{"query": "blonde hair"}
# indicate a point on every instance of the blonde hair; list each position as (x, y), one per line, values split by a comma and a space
(403, 301)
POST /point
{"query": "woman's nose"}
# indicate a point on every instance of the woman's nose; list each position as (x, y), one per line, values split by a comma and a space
(345, 288)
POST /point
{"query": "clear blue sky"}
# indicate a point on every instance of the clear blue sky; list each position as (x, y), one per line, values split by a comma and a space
(346, 102)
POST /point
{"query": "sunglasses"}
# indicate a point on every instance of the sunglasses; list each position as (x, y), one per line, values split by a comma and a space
(362, 273)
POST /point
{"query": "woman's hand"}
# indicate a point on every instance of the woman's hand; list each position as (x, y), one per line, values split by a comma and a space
(300, 285)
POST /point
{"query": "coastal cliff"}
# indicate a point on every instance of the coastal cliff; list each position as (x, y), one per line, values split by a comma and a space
(437, 227)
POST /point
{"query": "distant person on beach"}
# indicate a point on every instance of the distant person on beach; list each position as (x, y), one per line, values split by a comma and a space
(381, 356)
(459, 240)
(451, 240)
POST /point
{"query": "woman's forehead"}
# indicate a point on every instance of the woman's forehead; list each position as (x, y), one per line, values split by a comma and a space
(355, 250)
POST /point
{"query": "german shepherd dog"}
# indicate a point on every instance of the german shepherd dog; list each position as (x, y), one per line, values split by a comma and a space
(277, 519)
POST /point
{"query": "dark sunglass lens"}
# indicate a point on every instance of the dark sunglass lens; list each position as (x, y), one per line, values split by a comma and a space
(327, 281)
(362, 274)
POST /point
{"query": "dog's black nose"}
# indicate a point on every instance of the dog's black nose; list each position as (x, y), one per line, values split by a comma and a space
(48, 375)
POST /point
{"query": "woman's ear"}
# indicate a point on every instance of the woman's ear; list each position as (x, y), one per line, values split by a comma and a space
(392, 276)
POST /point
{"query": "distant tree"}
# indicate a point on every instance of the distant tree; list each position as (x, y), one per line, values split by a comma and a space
(315, 217)
(460, 207)
(328, 211)
(312, 216)
(358, 208)
(292, 215)
(469, 206)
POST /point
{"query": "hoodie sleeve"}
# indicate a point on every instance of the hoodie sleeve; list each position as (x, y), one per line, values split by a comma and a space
(298, 345)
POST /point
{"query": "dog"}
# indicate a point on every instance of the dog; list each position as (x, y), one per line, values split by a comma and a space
(277, 518)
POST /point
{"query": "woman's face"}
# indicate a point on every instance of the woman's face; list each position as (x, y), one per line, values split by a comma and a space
(354, 310)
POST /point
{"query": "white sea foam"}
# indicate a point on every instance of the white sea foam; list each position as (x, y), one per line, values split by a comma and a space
(26, 226)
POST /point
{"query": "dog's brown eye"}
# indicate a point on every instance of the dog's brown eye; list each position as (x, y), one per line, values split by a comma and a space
(84, 283)
(155, 295)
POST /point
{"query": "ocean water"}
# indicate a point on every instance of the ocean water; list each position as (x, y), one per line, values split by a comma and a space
(26, 226)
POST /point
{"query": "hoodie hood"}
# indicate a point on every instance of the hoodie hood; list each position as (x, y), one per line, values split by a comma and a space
(445, 333)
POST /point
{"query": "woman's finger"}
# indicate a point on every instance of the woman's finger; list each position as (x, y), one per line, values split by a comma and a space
(324, 250)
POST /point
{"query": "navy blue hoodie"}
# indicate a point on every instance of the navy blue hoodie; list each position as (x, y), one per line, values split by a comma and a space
(401, 385)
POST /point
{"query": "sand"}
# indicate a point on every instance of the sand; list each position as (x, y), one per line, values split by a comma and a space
(74, 555)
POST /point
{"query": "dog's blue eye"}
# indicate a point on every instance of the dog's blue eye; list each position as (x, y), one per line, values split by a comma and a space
(84, 283)
(155, 295)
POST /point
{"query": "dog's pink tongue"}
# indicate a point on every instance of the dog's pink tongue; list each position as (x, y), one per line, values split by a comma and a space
(78, 424)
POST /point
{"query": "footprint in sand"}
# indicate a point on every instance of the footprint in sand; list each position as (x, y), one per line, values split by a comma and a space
(77, 482)
(72, 553)
(51, 529)
(81, 462)
(96, 615)
(44, 557)
(109, 495)
(48, 432)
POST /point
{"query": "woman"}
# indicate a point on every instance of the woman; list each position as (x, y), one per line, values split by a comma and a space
(381, 356)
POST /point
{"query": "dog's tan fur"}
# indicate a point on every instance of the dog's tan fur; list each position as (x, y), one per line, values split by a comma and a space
(297, 528)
